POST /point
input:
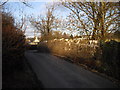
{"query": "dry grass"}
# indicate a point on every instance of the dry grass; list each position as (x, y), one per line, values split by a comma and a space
(103, 57)
(78, 50)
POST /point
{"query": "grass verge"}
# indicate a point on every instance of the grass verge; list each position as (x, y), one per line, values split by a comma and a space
(115, 81)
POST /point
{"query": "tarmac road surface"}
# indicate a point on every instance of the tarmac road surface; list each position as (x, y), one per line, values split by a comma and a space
(57, 73)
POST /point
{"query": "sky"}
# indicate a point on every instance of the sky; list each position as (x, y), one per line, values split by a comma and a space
(36, 8)
(19, 10)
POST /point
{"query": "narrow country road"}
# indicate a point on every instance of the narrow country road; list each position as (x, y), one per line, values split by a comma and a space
(56, 73)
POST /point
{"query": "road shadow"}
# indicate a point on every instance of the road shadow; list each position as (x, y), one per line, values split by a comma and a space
(32, 47)
(43, 48)
(40, 48)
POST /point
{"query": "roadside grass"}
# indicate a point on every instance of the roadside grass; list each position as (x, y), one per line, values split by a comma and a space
(86, 67)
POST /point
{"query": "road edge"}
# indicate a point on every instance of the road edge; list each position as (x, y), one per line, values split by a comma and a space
(40, 85)
(113, 80)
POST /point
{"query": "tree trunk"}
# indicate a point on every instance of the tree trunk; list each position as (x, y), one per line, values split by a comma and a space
(102, 20)
(93, 35)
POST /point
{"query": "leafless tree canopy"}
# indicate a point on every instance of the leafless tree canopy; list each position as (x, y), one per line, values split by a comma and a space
(6, 1)
(99, 18)
(45, 23)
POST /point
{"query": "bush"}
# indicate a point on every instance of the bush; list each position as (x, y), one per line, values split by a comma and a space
(81, 52)
(13, 44)
(111, 58)
(43, 48)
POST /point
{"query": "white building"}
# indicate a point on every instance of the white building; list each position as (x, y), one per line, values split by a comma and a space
(35, 42)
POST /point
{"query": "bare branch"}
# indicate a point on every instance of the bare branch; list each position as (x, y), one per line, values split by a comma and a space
(4, 3)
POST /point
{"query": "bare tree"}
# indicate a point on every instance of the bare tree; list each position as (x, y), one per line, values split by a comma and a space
(19, 23)
(3, 3)
(97, 17)
(45, 23)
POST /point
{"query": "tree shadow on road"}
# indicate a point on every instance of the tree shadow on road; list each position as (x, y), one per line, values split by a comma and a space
(43, 48)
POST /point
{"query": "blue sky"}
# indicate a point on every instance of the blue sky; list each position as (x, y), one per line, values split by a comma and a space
(19, 9)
